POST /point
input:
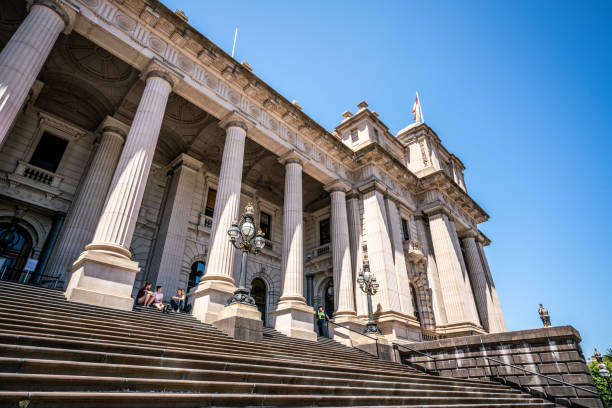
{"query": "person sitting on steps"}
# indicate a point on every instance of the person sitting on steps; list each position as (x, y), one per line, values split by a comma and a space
(158, 299)
(178, 301)
(144, 295)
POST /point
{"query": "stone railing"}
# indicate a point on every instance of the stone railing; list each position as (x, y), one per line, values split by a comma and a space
(316, 252)
(206, 221)
(35, 177)
(269, 244)
(414, 251)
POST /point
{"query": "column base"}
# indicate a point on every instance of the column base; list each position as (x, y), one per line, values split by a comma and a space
(210, 297)
(344, 336)
(295, 319)
(377, 345)
(399, 326)
(102, 279)
(460, 329)
(242, 322)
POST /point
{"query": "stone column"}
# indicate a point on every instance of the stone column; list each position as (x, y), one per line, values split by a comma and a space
(478, 278)
(309, 290)
(354, 227)
(401, 271)
(498, 323)
(169, 247)
(458, 300)
(25, 54)
(294, 317)
(432, 272)
(104, 274)
(86, 208)
(344, 286)
(218, 285)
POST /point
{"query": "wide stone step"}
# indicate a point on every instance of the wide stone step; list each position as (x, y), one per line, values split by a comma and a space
(54, 382)
(184, 400)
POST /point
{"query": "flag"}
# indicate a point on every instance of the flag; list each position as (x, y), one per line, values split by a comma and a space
(416, 109)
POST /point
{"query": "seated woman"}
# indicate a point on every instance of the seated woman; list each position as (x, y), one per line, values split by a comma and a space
(178, 301)
(144, 295)
(158, 298)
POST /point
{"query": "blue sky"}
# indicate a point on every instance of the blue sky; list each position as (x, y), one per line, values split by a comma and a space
(519, 91)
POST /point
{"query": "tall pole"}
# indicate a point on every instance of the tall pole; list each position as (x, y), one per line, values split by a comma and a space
(420, 107)
(243, 269)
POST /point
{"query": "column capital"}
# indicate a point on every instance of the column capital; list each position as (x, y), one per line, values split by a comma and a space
(372, 185)
(159, 69)
(112, 125)
(437, 208)
(235, 119)
(483, 239)
(65, 9)
(186, 161)
(292, 156)
(352, 195)
(469, 233)
(337, 185)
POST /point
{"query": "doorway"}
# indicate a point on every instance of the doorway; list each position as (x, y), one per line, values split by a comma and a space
(259, 293)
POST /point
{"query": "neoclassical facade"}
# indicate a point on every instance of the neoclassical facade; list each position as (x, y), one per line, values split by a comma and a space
(130, 143)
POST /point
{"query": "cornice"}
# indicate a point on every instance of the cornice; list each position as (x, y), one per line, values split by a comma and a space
(442, 182)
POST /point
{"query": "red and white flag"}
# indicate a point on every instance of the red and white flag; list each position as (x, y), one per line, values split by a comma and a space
(416, 109)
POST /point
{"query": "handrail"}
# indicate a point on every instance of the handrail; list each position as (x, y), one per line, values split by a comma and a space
(542, 375)
(416, 351)
(355, 331)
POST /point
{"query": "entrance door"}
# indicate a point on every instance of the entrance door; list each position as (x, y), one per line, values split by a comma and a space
(15, 248)
(258, 292)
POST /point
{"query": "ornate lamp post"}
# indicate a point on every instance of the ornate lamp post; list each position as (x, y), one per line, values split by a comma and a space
(367, 283)
(243, 237)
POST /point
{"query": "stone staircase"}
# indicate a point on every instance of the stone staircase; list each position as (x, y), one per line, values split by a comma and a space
(59, 354)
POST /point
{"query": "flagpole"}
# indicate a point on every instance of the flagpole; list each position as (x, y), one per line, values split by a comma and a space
(234, 46)
(420, 107)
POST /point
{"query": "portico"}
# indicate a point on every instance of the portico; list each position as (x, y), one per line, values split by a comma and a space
(181, 136)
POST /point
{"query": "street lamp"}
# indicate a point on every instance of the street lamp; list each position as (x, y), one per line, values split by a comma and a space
(367, 283)
(603, 371)
(242, 236)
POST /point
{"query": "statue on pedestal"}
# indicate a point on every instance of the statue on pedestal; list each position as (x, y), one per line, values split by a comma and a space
(544, 316)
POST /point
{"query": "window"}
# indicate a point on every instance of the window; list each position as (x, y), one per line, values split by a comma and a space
(264, 225)
(405, 229)
(375, 134)
(324, 235)
(210, 202)
(198, 269)
(49, 152)
(354, 135)
(415, 303)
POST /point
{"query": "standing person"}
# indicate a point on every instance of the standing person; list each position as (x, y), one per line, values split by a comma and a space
(144, 294)
(322, 317)
(158, 298)
(178, 301)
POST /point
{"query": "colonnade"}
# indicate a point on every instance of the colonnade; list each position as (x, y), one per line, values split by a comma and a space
(105, 210)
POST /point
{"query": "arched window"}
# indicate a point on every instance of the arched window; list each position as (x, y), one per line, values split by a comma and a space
(415, 303)
(198, 269)
(15, 248)
(259, 292)
(329, 299)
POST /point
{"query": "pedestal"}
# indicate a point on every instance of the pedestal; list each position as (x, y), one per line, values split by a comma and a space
(209, 299)
(240, 321)
(295, 319)
(344, 336)
(102, 279)
(372, 342)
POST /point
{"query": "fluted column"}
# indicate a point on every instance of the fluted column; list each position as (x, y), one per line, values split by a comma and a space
(482, 296)
(227, 203)
(432, 272)
(341, 252)
(86, 208)
(169, 247)
(458, 300)
(397, 243)
(354, 228)
(497, 323)
(25, 54)
(104, 273)
(293, 315)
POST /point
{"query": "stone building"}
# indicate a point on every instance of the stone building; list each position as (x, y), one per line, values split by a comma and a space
(130, 142)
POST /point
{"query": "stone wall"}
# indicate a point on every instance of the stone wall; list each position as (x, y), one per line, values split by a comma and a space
(552, 351)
